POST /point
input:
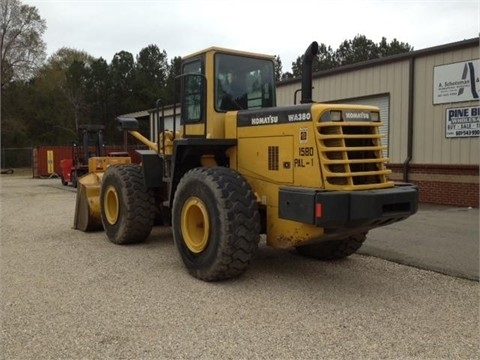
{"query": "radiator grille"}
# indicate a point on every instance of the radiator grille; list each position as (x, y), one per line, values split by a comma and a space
(352, 155)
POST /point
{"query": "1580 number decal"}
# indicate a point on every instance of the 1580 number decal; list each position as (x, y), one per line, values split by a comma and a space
(306, 151)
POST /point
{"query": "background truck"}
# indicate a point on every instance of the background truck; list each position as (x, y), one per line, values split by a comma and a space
(310, 176)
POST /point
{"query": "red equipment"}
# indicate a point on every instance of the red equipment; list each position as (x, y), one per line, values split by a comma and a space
(91, 144)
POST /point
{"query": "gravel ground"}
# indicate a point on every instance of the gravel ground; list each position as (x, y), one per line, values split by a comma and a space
(66, 294)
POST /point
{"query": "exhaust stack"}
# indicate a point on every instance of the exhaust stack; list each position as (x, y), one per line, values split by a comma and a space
(307, 66)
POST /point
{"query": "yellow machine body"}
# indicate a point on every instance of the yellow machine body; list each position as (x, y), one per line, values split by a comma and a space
(282, 147)
(299, 154)
(307, 151)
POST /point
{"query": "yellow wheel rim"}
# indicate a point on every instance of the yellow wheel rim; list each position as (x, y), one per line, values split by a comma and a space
(195, 225)
(111, 205)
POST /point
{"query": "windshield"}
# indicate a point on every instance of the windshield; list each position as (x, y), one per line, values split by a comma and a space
(243, 83)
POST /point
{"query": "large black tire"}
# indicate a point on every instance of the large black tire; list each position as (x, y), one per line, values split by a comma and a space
(216, 224)
(127, 207)
(334, 249)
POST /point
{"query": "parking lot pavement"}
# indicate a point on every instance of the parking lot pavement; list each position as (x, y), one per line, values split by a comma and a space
(439, 238)
(66, 294)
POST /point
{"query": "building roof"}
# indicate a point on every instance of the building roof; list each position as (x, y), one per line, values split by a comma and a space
(389, 59)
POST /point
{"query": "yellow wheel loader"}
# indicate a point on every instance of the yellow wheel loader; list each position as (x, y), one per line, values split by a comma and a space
(310, 176)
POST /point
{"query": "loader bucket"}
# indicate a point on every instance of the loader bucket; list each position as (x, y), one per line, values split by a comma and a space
(87, 207)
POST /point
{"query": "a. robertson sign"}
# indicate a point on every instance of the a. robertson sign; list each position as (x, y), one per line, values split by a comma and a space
(462, 122)
(456, 82)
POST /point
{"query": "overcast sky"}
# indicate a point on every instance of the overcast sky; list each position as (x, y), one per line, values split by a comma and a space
(180, 27)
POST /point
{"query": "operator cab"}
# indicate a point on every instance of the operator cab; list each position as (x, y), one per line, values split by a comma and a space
(236, 81)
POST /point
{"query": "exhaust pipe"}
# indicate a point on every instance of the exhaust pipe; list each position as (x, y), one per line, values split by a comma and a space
(307, 66)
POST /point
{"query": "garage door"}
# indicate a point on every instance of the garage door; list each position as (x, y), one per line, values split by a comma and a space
(383, 103)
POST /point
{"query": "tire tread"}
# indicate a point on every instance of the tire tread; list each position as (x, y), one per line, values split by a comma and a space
(238, 206)
(139, 214)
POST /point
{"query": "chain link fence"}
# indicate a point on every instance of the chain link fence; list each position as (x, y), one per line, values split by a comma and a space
(16, 158)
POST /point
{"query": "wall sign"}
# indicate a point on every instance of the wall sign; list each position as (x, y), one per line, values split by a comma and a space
(456, 82)
(462, 122)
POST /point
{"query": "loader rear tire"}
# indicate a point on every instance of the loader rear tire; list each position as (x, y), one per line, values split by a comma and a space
(333, 250)
(127, 207)
(216, 223)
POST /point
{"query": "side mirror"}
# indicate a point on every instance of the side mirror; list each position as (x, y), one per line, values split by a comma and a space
(127, 123)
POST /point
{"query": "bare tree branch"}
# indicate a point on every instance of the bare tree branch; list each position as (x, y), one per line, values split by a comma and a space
(22, 49)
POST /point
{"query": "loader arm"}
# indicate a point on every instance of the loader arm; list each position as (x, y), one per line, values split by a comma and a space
(151, 145)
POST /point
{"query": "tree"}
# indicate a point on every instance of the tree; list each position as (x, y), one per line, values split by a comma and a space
(326, 58)
(58, 98)
(287, 75)
(151, 75)
(393, 48)
(324, 61)
(14, 129)
(65, 56)
(69, 70)
(21, 46)
(122, 72)
(74, 89)
(350, 52)
(278, 68)
(98, 91)
(357, 50)
(174, 69)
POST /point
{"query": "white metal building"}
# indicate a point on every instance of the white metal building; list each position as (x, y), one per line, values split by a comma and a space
(429, 102)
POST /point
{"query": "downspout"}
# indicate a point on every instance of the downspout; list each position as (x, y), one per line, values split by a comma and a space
(411, 78)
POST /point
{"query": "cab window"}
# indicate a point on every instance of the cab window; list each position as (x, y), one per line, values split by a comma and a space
(243, 83)
(193, 90)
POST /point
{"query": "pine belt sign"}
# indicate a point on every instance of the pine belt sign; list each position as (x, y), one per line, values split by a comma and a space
(456, 82)
(462, 122)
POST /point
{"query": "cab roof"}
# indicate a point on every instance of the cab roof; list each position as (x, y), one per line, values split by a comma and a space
(228, 51)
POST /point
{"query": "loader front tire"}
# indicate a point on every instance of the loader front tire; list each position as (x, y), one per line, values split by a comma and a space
(334, 249)
(216, 223)
(127, 207)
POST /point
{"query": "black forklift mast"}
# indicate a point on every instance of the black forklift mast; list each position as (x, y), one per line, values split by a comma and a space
(89, 135)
